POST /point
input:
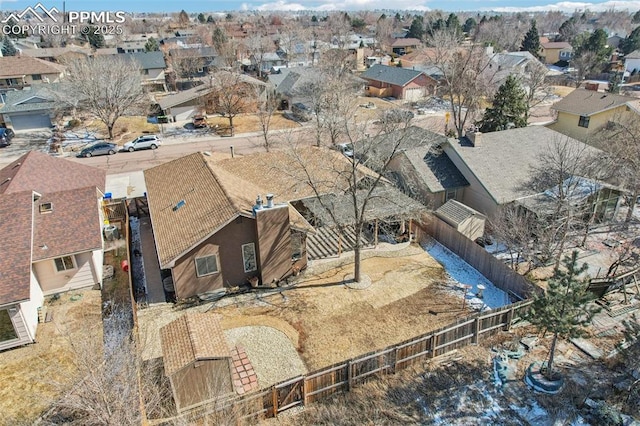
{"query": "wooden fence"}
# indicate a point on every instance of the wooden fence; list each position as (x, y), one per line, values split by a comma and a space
(343, 376)
(493, 269)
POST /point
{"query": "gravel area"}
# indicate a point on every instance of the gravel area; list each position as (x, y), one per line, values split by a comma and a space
(270, 351)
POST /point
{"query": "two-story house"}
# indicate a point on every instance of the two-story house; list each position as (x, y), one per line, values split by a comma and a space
(17, 72)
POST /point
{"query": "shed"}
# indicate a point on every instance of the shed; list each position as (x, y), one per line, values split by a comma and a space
(197, 359)
(464, 219)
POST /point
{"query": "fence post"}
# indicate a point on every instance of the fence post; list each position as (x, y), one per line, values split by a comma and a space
(274, 399)
(432, 345)
(476, 331)
(305, 389)
(510, 313)
(349, 376)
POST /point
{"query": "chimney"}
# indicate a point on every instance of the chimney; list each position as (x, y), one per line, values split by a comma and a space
(269, 201)
(474, 136)
(258, 203)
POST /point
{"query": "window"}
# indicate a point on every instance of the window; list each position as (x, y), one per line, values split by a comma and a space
(450, 194)
(46, 207)
(11, 81)
(584, 121)
(206, 265)
(36, 77)
(200, 69)
(64, 263)
(7, 331)
(249, 257)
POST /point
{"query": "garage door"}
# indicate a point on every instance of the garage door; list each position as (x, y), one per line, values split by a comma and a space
(414, 94)
(31, 121)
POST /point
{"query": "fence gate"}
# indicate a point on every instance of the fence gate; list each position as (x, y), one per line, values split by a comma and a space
(288, 394)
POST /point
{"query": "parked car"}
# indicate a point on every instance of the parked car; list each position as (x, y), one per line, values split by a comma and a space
(5, 136)
(346, 149)
(143, 142)
(200, 121)
(99, 148)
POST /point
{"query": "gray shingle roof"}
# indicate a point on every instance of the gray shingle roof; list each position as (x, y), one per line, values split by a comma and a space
(435, 168)
(633, 55)
(454, 212)
(392, 75)
(147, 60)
(589, 102)
(21, 100)
(503, 161)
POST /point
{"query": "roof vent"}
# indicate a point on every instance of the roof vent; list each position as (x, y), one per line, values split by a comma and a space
(269, 201)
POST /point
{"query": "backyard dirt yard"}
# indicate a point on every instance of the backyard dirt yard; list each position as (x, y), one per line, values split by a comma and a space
(33, 376)
(329, 322)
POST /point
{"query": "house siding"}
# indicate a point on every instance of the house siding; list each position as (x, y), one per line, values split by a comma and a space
(20, 328)
(52, 281)
(567, 123)
(274, 243)
(227, 245)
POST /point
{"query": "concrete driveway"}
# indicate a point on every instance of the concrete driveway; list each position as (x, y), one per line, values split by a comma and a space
(24, 142)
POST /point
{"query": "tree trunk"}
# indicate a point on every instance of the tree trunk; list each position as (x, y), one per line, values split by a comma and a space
(231, 124)
(110, 130)
(632, 204)
(356, 254)
(552, 352)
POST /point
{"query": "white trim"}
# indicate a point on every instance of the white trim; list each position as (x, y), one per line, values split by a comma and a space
(73, 261)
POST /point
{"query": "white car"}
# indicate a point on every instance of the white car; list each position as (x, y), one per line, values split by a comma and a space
(143, 142)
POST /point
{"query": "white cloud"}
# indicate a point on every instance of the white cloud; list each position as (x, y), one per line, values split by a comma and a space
(571, 6)
(329, 5)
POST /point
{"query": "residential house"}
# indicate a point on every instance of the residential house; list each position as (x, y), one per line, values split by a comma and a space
(400, 83)
(268, 60)
(193, 62)
(555, 51)
(17, 72)
(212, 232)
(632, 62)
(583, 112)
(421, 168)
(135, 43)
(58, 55)
(499, 167)
(224, 223)
(152, 67)
(402, 46)
(51, 226)
(186, 104)
(519, 64)
(28, 109)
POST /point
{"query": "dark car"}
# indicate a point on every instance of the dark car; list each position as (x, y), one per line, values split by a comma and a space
(5, 136)
(99, 148)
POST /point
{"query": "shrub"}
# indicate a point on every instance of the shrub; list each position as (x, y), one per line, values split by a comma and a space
(73, 123)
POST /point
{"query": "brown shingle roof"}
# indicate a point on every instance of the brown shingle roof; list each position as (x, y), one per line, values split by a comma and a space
(192, 337)
(211, 198)
(17, 66)
(282, 173)
(37, 171)
(589, 102)
(405, 42)
(73, 226)
(15, 246)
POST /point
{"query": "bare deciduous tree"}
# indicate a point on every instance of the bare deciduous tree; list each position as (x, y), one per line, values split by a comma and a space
(231, 95)
(267, 106)
(106, 87)
(536, 88)
(466, 77)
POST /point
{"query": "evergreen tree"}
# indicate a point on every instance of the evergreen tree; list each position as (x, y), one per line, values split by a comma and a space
(469, 25)
(595, 43)
(636, 18)
(8, 49)
(219, 38)
(183, 17)
(314, 18)
(201, 18)
(210, 20)
(416, 30)
(563, 309)
(632, 42)
(568, 30)
(509, 108)
(453, 23)
(531, 42)
(614, 83)
(151, 45)
(95, 38)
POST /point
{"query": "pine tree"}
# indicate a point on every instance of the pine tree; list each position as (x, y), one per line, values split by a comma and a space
(416, 30)
(564, 308)
(8, 49)
(531, 42)
(509, 108)
(151, 45)
(201, 18)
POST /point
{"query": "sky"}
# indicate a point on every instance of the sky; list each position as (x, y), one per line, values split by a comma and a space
(326, 5)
